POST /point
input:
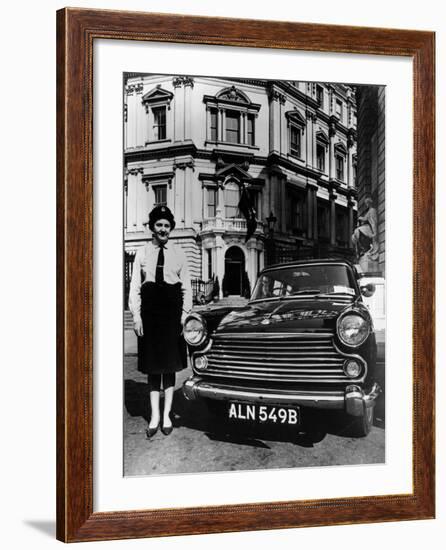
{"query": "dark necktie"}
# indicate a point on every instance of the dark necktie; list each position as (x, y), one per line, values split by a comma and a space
(159, 274)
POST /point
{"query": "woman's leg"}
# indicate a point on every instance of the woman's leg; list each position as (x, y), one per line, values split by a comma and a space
(155, 386)
(169, 386)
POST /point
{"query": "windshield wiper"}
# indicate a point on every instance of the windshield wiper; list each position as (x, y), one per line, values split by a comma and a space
(339, 294)
(308, 291)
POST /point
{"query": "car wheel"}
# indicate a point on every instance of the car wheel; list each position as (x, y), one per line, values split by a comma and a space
(315, 425)
(360, 426)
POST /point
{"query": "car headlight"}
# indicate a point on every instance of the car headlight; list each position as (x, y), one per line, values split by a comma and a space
(353, 329)
(194, 329)
(201, 362)
(352, 368)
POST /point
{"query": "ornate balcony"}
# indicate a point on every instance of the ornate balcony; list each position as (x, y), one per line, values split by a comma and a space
(232, 225)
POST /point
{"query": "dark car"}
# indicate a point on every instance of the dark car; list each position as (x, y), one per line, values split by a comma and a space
(304, 343)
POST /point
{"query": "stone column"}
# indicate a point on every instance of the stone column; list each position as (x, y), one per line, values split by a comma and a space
(179, 203)
(179, 107)
(187, 197)
(333, 197)
(331, 157)
(140, 129)
(276, 99)
(219, 261)
(208, 124)
(310, 149)
(315, 228)
(244, 128)
(310, 209)
(221, 117)
(283, 202)
(351, 227)
(220, 210)
(350, 143)
(188, 87)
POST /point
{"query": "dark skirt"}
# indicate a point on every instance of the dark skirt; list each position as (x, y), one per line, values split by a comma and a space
(162, 348)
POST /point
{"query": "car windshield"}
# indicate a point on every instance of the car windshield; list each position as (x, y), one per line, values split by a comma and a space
(305, 279)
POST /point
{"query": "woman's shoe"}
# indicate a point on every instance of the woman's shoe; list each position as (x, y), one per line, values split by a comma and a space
(167, 430)
(150, 432)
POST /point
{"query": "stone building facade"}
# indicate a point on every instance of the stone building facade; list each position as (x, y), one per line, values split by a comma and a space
(371, 162)
(193, 143)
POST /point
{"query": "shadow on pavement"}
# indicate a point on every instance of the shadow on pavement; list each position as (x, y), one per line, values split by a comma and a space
(136, 398)
(195, 415)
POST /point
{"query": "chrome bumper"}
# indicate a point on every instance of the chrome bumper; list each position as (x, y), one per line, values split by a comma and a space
(353, 399)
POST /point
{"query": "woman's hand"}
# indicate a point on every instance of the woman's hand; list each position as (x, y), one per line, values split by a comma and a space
(137, 327)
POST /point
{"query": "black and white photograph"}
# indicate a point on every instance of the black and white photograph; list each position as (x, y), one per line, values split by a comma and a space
(254, 274)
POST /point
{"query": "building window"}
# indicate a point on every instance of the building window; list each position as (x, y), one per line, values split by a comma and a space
(323, 221)
(209, 255)
(339, 109)
(212, 203)
(320, 96)
(157, 102)
(233, 126)
(295, 141)
(297, 213)
(342, 226)
(354, 173)
(160, 195)
(339, 167)
(225, 112)
(320, 154)
(232, 199)
(159, 123)
(214, 125)
(250, 130)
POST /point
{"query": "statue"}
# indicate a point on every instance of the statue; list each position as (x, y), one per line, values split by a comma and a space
(365, 236)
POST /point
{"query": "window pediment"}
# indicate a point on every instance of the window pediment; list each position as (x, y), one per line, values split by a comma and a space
(233, 94)
(340, 148)
(232, 98)
(296, 117)
(157, 96)
(233, 171)
(322, 137)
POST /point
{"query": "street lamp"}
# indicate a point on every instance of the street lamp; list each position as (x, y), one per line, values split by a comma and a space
(271, 221)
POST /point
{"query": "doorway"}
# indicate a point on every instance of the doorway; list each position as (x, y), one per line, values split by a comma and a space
(234, 271)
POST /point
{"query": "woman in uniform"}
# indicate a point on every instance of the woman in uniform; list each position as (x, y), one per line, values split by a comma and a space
(160, 298)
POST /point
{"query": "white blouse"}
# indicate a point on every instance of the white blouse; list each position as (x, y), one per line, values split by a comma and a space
(175, 271)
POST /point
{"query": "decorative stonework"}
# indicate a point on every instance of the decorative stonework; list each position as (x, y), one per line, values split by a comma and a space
(232, 94)
(134, 88)
(183, 165)
(274, 95)
(134, 171)
(332, 126)
(351, 137)
(185, 81)
(312, 116)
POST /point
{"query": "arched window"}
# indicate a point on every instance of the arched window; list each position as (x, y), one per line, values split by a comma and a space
(231, 117)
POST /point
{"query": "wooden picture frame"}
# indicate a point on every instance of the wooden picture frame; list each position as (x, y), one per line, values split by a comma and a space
(76, 31)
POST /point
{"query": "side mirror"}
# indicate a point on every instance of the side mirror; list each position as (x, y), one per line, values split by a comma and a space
(368, 290)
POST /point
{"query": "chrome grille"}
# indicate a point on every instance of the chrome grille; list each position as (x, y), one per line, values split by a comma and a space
(296, 357)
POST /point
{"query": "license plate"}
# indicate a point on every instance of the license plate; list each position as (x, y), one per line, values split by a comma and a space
(264, 414)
